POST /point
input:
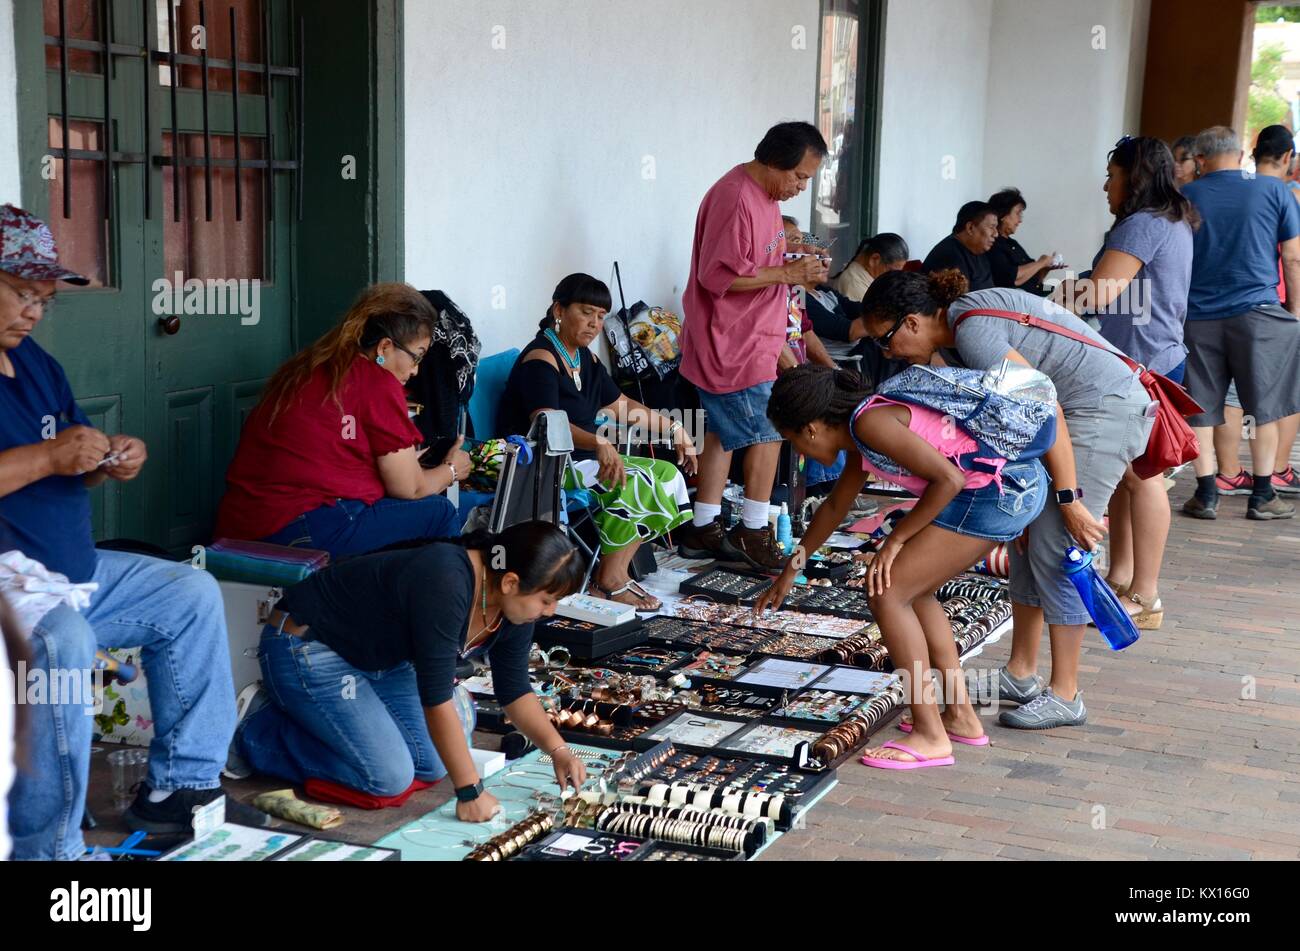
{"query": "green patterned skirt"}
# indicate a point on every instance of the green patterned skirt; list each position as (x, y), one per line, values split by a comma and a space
(653, 502)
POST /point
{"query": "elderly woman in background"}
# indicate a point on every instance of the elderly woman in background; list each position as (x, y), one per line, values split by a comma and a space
(640, 499)
(1012, 265)
(874, 256)
(328, 458)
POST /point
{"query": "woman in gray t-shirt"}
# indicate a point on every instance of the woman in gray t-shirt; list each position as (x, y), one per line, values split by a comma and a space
(1138, 292)
(1103, 422)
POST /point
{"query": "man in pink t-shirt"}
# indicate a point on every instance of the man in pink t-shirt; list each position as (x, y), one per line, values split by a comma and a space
(734, 330)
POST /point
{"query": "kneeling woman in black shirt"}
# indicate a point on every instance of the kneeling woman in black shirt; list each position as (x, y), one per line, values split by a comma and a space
(360, 662)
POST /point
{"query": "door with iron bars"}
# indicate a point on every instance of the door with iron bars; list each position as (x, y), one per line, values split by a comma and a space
(169, 140)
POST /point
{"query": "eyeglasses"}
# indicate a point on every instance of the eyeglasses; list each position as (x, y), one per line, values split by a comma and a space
(415, 357)
(884, 341)
(27, 299)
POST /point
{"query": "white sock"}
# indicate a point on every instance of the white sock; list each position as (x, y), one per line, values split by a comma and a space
(705, 513)
(158, 795)
(754, 514)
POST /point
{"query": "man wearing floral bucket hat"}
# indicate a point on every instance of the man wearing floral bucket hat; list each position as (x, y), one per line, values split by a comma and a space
(50, 456)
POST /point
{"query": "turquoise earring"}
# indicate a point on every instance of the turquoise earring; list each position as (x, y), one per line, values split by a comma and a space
(379, 358)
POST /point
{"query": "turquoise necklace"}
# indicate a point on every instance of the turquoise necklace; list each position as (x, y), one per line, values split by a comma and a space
(574, 363)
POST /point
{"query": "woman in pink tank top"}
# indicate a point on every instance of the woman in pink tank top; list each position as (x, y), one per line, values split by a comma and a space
(965, 506)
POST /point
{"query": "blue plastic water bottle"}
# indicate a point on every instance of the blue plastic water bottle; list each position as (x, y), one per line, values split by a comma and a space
(1100, 600)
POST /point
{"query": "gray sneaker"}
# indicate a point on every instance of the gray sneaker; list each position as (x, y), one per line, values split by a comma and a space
(1013, 689)
(1047, 711)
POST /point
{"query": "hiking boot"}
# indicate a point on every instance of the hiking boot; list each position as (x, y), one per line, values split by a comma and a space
(1266, 511)
(1286, 482)
(1198, 509)
(1240, 484)
(707, 541)
(758, 547)
(175, 813)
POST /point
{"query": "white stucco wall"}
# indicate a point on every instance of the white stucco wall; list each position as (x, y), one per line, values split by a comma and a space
(559, 136)
(528, 162)
(933, 115)
(985, 93)
(10, 188)
(1056, 107)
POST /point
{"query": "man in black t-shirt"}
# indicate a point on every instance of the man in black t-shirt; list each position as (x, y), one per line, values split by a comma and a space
(966, 249)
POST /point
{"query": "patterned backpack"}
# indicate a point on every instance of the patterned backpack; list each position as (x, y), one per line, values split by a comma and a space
(1003, 421)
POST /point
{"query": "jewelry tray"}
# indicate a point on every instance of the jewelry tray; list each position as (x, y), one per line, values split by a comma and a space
(809, 785)
(585, 640)
(705, 854)
(725, 586)
(548, 849)
(666, 729)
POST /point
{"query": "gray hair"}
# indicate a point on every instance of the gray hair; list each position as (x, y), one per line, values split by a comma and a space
(1217, 140)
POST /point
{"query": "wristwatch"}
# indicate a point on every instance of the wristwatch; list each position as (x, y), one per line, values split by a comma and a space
(469, 793)
(1066, 496)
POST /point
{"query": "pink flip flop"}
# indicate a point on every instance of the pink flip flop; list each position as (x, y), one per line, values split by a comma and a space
(921, 762)
(967, 740)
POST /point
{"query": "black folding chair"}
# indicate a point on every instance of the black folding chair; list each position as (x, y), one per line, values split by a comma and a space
(532, 490)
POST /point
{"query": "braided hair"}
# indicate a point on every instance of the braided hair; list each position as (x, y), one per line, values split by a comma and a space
(811, 392)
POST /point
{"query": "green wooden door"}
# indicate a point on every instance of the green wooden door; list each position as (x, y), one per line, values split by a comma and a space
(186, 393)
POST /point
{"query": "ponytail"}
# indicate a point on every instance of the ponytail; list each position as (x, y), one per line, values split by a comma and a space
(811, 392)
(538, 552)
(891, 248)
(393, 311)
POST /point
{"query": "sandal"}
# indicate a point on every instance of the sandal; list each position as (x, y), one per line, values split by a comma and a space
(641, 594)
(1151, 614)
(917, 762)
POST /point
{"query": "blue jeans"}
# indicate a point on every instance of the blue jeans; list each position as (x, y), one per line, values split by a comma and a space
(350, 527)
(175, 615)
(328, 720)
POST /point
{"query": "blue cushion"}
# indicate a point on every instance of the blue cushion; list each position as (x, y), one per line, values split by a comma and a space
(489, 386)
(469, 500)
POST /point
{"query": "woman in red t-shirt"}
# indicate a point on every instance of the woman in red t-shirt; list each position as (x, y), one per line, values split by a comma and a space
(328, 458)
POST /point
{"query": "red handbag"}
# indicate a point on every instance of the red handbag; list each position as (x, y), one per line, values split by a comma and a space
(1172, 441)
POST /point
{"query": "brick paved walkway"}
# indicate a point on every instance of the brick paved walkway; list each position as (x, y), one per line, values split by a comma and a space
(1181, 764)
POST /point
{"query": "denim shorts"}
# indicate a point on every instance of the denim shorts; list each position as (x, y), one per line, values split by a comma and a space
(739, 419)
(999, 516)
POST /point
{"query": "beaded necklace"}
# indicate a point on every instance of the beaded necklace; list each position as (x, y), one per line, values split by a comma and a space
(574, 363)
